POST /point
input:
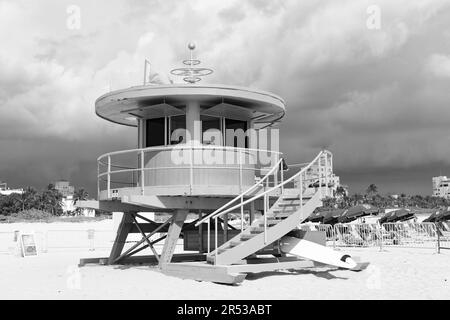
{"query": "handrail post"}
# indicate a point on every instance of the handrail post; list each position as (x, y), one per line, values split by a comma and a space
(215, 243)
(242, 213)
(240, 171)
(265, 218)
(326, 175)
(109, 177)
(142, 173)
(282, 177)
(98, 180)
(301, 190)
(275, 173)
(209, 236)
(191, 169)
(320, 176)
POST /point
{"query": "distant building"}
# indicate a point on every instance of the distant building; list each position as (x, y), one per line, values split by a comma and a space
(441, 187)
(64, 188)
(333, 180)
(5, 191)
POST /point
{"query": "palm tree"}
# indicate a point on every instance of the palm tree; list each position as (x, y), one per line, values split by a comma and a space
(372, 190)
(341, 192)
(28, 198)
(51, 200)
(80, 195)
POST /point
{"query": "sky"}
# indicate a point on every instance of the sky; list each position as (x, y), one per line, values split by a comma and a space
(368, 80)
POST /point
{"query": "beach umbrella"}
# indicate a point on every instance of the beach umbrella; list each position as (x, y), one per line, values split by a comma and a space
(443, 216)
(322, 216)
(357, 211)
(397, 215)
(315, 216)
(432, 217)
(384, 218)
(332, 216)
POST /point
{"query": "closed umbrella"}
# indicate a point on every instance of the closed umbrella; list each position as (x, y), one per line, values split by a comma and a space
(357, 211)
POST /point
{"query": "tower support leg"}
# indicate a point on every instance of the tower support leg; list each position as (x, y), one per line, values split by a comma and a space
(172, 237)
(122, 232)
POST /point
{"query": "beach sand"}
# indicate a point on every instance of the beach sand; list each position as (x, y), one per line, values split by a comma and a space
(395, 273)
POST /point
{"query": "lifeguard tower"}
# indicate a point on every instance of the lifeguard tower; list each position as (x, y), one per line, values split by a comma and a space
(207, 150)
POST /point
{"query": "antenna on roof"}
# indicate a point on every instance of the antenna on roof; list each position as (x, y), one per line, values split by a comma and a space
(146, 63)
(191, 74)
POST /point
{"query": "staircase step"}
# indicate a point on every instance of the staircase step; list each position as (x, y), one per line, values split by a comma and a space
(284, 214)
(247, 236)
(297, 199)
(235, 243)
(291, 210)
(257, 230)
(290, 197)
(270, 222)
(283, 205)
(220, 250)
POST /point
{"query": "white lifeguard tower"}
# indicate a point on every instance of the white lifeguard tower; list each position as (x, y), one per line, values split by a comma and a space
(201, 150)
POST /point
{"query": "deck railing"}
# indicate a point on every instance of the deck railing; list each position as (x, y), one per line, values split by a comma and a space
(128, 168)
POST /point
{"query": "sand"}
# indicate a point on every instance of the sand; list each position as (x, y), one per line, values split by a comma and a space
(395, 273)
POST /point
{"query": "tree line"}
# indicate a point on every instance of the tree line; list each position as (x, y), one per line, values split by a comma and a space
(372, 196)
(48, 200)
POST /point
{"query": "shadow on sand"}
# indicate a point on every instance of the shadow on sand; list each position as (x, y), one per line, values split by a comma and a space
(320, 274)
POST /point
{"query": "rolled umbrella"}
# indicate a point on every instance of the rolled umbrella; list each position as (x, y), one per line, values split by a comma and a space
(357, 211)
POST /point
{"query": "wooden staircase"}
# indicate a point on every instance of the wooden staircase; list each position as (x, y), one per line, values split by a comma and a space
(284, 215)
(295, 199)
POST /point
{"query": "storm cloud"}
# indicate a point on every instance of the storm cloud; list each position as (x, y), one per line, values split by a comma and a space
(377, 98)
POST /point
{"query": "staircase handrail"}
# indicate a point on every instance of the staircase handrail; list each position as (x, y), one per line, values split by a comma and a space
(303, 170)
(213, 214)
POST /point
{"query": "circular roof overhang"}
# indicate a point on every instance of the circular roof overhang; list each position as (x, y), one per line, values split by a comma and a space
(151, 101)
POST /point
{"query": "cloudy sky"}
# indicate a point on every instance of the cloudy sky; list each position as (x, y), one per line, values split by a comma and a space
(375, 92)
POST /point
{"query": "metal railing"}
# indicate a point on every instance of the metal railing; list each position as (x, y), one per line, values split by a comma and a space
(423, 235)
(240, 160)
(328, 229)
(300, 177)
(357, 235)
(400, 234)
(443, 235)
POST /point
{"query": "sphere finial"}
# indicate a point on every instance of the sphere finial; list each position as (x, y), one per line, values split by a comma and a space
(191, 46)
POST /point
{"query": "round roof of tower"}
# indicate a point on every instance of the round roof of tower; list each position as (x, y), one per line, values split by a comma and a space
(152, 101)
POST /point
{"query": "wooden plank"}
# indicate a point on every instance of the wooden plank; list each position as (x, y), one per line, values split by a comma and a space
(145, 238)
(172, 237)
(264, 267)
(202, 272)
(148, 259)
(121, 236)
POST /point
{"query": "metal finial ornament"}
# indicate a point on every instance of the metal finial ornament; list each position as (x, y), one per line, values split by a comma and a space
(191, 74)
